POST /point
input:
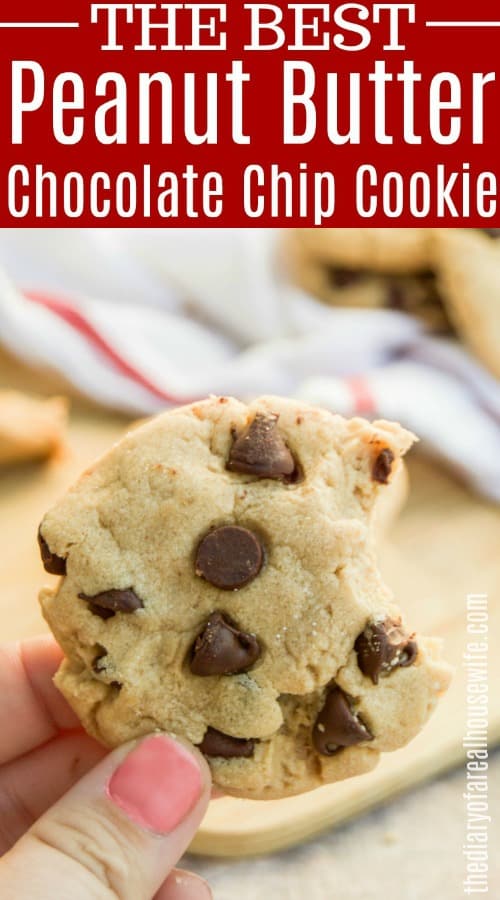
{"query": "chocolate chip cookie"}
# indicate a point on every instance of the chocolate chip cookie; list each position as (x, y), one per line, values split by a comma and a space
(371, 268)
(219, 582)
(469, 278)
(30, 428)
(381, 268)
(382, 250)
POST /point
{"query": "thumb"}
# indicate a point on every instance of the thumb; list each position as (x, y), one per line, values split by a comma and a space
(118, 832)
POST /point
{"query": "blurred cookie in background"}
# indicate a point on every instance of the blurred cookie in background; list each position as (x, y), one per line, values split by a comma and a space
(382, 250)
(369, 268)
(31, 428)
(468, 263)
(447, 278)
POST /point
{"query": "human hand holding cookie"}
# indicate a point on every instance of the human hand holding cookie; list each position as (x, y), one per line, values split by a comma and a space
(78, 822)
(219, 583)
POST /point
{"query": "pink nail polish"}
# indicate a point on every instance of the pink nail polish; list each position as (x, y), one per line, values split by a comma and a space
(157, 784)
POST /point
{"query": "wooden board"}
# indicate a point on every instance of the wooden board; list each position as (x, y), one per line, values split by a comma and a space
(444, 546)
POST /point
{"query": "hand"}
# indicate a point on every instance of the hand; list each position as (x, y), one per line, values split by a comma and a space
(76, 821)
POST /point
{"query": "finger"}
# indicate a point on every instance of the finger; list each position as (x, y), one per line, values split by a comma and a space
(29, 785)
(32, 710)
(181, 885)
(119, 831)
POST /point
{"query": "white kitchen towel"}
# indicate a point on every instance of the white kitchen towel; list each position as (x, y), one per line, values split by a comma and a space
(143, 319)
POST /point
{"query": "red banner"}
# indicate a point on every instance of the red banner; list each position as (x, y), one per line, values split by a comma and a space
(249, 114)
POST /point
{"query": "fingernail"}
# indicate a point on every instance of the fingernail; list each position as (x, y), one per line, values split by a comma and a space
(157, 784)
(186, 886)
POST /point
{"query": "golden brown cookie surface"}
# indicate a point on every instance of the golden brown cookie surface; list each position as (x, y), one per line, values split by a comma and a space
(30, 428)
(221, 584)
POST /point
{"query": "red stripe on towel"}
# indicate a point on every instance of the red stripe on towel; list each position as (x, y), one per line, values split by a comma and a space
(364, 401)
(78, 321)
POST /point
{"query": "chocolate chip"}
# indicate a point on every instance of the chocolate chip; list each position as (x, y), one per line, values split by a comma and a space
(382, 647)
(222, 649)
(382, 466)
(413, 293)
(97, 663)
(229, 557)
(56, 565)
(427, 277)
(98, 610)
(395, 296)
(409, 654)
(110, 602)
(337, 726)
(215, 743)
(260, 450)
(342, 278)
(491, 232)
